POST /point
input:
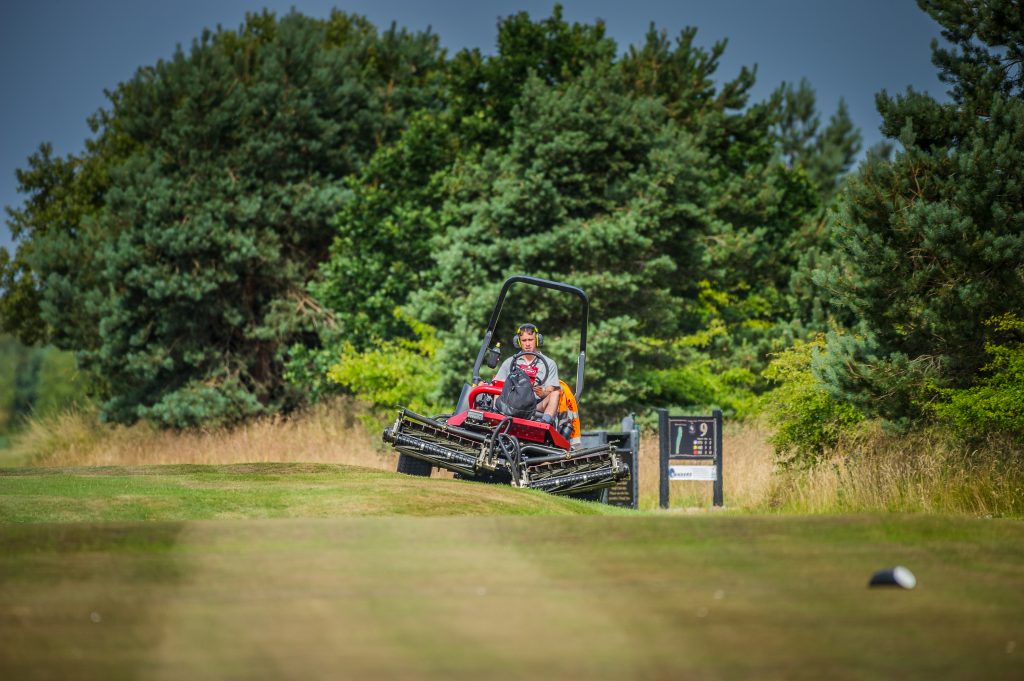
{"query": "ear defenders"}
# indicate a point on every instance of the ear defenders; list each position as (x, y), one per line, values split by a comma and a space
(527, 327)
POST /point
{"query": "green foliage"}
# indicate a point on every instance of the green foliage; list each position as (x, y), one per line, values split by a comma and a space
(695, 385)
(381, 250)
(484, 91)
(49, 283)
(36, 382)
(718, 364)
(808, 420)
(60, 383)
(393, 373)
(988, 34)
(996, 403)
(255, 207)
(826, 154)
(931, 244)
(186, 285)
(683, 75)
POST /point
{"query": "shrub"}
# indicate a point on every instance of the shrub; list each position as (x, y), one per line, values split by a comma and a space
(807, 419)
(995, 405)
(394, 373)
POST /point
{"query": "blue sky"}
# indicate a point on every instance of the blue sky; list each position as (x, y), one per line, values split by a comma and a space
(57, 57)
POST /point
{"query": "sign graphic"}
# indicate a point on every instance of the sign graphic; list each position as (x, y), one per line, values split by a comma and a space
(685, 441)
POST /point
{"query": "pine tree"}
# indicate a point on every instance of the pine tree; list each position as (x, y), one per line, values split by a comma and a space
(623, 189)
(932, 243)
(483, 91)
(824, 154)
(217, 211)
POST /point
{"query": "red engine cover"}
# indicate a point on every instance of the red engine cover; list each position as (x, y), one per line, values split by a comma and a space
(524, 429)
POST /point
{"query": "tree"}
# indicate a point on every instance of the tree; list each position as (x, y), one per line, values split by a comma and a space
(825, 155)
(822, 157)
(483, 91)
(35, 382)
(44, 283)
(218, 210)
(623, 190)
(931, 244)
(381, 250)
(255, 207)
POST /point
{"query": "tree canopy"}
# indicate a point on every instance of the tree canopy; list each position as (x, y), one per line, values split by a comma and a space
(259, 206)
(179, 274)
(930, 245)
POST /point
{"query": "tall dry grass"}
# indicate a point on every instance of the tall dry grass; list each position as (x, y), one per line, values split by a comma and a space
(325, 433)
(927, 472)
(874, 472)
(747, 471)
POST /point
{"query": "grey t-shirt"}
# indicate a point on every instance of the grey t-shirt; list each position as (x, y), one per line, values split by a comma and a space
(546, 381)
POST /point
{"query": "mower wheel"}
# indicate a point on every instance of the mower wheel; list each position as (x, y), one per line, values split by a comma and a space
(410, 465)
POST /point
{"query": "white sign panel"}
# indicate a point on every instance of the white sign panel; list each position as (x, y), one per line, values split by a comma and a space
(692, 473)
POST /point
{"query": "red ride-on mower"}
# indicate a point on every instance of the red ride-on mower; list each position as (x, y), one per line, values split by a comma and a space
(481, 441)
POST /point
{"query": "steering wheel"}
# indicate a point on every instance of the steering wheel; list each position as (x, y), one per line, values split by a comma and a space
(544, 360)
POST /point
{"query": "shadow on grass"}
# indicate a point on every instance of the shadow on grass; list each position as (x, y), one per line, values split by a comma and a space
(73, 592)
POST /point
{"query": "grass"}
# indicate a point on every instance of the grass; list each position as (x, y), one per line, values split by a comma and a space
(331, 434)
(326, 433)
(194, 492)
(875, 472)
(645, 596)
(287, 548)
(917, 473)
(296, 569)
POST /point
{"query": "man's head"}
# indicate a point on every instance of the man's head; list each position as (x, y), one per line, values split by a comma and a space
(528, 338)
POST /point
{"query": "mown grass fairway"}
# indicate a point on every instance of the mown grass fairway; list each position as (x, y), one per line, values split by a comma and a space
(264, 490)
(299, 588)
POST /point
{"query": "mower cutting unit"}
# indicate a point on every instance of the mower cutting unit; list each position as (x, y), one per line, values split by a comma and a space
(480, 442)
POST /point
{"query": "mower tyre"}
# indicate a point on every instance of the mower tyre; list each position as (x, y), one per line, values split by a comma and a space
(410, 465)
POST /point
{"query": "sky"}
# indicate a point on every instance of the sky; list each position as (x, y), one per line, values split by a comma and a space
(58, 57)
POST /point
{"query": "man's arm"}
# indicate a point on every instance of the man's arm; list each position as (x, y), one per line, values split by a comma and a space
(503, 370)
(551, 382)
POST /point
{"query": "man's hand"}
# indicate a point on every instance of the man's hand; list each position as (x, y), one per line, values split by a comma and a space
(538, 390)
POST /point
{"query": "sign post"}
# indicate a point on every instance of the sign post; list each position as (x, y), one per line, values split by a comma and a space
(684, 441)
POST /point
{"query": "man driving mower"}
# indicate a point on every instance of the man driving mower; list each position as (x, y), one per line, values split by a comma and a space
(495, 433)
(546, 387)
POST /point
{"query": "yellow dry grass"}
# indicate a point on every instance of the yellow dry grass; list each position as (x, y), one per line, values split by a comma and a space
(924, 472)
(747, 470)
(326, 433)
(876, 471)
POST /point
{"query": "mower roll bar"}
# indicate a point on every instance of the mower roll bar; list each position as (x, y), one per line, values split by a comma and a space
(543, 283)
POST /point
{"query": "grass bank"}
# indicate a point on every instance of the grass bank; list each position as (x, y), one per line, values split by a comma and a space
(874, 472)
(256, 490)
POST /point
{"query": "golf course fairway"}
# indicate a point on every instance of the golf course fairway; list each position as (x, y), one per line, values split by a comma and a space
(181, 572)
